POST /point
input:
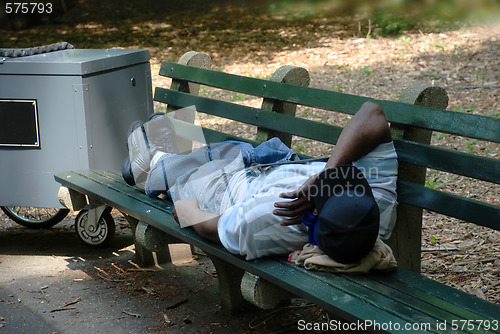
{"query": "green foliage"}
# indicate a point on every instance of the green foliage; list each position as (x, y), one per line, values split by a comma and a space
(465, 109)
(387, 25)
(338, 88)
(366, 71)
(302, 147)
(434, 182)
(344, 69)
(405, 40)
(481, 75)
(470, 145)
(393, 18)
(434, 75)
(457, 52)
(493, 113)
(238, 97)
(437, 45)
(308, 112)
(438, 135)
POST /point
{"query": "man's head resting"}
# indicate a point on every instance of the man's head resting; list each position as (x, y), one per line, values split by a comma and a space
(348, 216)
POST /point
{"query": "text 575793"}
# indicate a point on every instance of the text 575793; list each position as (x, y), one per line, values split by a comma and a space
(28, 8)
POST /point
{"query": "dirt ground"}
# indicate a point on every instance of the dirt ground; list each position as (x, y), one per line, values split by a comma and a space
(341, 55)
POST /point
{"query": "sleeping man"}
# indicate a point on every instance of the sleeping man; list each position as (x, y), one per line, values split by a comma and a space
(261, 201)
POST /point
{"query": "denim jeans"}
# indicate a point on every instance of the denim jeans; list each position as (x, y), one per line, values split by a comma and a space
(170, 169)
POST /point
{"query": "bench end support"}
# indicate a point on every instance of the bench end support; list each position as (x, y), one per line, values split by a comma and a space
(286, 74)
(406, 237)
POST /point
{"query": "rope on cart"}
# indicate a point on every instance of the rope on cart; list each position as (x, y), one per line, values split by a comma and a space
(14, 53)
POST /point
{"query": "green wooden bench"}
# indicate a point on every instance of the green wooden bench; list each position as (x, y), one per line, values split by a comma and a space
(391, 302)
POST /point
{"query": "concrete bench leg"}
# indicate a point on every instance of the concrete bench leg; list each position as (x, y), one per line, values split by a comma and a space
(261, 293)
(148, 239)
(229, 277)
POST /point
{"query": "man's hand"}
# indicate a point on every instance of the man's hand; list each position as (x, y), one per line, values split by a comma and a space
(295, 209)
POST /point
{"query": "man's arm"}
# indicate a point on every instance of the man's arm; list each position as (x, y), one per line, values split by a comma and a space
(366, 130)
(187, 213)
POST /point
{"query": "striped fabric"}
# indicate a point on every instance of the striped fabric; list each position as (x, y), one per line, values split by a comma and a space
(247, 225)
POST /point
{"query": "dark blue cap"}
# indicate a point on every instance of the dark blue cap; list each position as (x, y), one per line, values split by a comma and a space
(348, 220)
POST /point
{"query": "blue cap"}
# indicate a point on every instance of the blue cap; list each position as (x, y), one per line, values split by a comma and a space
(349, 218)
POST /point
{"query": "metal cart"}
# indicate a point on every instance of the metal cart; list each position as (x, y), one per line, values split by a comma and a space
(68, 109)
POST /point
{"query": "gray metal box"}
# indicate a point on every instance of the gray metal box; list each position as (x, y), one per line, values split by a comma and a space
(68, 109)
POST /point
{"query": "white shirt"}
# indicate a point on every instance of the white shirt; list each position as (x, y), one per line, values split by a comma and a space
(247, 225)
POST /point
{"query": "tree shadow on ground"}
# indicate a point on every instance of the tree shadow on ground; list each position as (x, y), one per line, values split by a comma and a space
(252, 30)
(217, 27)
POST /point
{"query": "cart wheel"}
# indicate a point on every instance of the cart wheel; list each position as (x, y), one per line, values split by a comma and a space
(98, 237)
(35, 217)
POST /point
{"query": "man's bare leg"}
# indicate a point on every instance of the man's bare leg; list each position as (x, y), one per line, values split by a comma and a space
(188, 213)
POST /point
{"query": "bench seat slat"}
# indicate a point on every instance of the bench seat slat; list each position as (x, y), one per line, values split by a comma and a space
(434, 157)
(473, 126)
(403, 297)
(428, 309)
(480, 213)
(357, 296)
(419, 287)
(328, 290)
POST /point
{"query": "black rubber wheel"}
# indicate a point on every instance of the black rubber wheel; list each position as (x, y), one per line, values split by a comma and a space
(99, 237)
(32, 217)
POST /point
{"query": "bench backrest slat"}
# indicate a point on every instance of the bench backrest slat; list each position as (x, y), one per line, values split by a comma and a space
(469, 165)
(208, 136)
(424, 155)
(473, 126)
(283, 123)
(480, 213)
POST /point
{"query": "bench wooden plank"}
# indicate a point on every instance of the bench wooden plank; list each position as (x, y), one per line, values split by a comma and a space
(421, 287)
(368, 297)
(427, 310)
(474, 126)
(469, 165)
(156, 212)
(403, 300)
(482, 168)
(343, 296)
(258, 117)
(480, 213)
